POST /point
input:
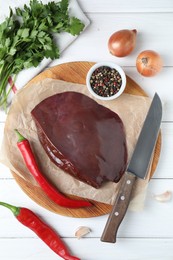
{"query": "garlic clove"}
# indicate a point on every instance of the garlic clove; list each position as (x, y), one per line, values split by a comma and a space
(163, 197)
(82, 231)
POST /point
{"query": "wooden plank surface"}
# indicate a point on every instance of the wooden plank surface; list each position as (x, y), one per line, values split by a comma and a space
(154, 6)
(146, 235)
(32, 249)
(154, 221)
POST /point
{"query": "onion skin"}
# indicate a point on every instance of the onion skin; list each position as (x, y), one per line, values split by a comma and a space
(122, 43)
(149, 63)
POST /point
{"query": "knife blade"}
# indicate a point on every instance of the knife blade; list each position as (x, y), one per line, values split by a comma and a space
(137, 168)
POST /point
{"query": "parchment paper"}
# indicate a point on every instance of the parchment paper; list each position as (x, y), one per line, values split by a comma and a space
(131, 109)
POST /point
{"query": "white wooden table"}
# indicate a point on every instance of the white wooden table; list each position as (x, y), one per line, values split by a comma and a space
(146, 235)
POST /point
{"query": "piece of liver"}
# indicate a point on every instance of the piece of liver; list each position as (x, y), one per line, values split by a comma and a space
(85, 139)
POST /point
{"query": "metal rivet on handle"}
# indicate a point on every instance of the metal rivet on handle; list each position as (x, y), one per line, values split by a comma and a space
(122, 197)
(116, 213)
(128, 182)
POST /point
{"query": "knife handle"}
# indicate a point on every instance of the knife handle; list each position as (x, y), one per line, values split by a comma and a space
(119, 208)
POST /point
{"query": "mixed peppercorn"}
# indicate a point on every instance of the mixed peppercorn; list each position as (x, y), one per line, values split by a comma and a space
(105, 81)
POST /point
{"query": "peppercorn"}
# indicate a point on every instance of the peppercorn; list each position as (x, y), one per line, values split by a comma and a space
(105, 81)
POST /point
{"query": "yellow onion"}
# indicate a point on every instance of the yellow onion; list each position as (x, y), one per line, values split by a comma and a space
(122, 43)
(149, 63)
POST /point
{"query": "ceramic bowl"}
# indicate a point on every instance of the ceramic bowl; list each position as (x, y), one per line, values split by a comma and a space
(99, 85)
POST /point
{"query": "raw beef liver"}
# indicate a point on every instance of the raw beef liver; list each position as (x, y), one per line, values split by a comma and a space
(82, 137)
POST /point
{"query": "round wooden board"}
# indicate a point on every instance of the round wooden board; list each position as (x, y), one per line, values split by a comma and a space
(76, 72)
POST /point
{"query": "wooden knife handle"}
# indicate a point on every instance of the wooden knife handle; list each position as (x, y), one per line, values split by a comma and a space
(119, 208)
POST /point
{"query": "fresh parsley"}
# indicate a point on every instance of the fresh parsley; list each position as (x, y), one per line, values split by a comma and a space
(27, 37)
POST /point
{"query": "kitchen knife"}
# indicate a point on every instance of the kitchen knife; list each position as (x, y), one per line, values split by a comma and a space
(137, 168)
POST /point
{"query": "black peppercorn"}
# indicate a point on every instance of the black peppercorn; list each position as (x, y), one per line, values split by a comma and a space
(105, 81)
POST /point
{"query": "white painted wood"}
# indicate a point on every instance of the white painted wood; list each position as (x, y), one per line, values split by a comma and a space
(2, 116)
(116, 6)
(165, 165)
(154, 32)
(145, 235)
(89, 249)
(155, 220)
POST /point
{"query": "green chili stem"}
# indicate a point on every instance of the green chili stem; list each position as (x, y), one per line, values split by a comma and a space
(20, 137)
(15, 210)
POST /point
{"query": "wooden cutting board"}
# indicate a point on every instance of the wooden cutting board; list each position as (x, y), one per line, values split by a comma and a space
(76, 72)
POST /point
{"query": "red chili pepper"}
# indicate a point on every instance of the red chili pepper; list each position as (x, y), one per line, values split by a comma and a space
(43, 231)
(30, 161)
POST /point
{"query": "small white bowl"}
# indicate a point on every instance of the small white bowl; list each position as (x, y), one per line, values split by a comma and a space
(113, 66)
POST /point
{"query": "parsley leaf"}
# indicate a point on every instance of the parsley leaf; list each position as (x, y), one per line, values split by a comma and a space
(27, 37)
(75, 26)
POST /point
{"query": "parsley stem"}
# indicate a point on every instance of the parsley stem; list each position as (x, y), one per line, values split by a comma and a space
(4, 82)
(27, 37)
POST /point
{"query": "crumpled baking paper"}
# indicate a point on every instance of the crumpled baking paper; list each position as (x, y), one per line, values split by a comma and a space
(132, 110)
